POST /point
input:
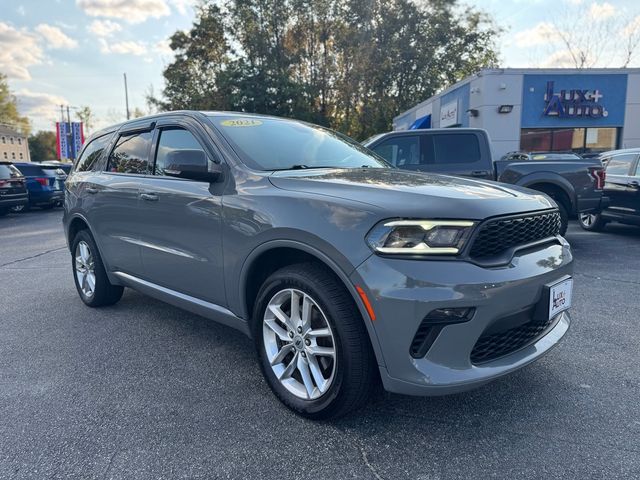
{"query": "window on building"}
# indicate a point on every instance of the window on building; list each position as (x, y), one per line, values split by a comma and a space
(621, 164)
(5, 155)
(92, 153)
(11, 140)
(19, 141)
(4, 139)
(131, 154)
(20, 156)
(579, 140)
(13, 155)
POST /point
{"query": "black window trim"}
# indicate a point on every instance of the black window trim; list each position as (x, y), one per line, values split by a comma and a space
(126, 133)
(169, 125)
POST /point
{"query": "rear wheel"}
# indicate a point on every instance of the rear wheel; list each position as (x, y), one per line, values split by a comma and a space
(89, 273)
(591, 222)
(313, 347)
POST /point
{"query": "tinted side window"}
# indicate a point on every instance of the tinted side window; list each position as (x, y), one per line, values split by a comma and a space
(171, 140)
(131, 154)
(400, 151)
(451, 148)
(620, 164)
(92, 152)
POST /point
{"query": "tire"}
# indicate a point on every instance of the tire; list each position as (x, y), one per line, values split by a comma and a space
(592, 222)
(19, 209)
(3, 212)
(87, 264)
(339, 384)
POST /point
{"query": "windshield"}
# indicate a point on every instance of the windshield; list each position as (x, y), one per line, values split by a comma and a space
(9, 171)
(279, 144)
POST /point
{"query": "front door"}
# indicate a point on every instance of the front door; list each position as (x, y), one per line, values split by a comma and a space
(619, 186)
(181, 233)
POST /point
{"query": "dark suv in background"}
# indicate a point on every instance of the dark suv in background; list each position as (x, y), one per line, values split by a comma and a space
(13, 189)
(45, 184)
(343, 269)
(621, 192)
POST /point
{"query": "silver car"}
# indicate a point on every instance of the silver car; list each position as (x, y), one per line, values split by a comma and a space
(345, 271)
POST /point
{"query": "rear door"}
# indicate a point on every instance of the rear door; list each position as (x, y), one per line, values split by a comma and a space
(619, 184)
(180, 223)
(114, 213)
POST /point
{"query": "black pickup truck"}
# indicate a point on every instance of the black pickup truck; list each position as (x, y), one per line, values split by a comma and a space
(573, 182)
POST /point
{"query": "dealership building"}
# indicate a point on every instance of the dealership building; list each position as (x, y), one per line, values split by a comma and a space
(587, 110)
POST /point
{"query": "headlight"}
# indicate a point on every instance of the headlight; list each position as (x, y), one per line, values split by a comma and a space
(421, 237)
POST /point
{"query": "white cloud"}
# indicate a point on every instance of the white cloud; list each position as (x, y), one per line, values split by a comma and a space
(104, 28)
(162, 47)
(123, 48)
(36, 105)
(21, 10)
(541, 34)
(601, 11)
(182, 6)
(19, 50)
(132, 11)
(55, 37)
(559, 59)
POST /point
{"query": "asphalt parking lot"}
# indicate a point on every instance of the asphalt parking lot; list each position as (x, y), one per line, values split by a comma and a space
(144, 390)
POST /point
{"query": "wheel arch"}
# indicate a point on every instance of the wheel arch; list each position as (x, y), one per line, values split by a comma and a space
(279, 253)
(552, 185)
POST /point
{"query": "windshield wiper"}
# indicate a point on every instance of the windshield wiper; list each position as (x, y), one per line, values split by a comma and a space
(305, 167)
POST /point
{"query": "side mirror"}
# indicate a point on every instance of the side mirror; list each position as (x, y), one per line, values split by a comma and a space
(191, 164)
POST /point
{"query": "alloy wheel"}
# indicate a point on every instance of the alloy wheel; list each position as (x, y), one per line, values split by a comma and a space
(85, 269)
(587, 219)
(299, 344)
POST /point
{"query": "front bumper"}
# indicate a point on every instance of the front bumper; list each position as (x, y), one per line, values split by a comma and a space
(403, 292)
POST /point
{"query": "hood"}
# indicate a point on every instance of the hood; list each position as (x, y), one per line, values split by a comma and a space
(411, 194)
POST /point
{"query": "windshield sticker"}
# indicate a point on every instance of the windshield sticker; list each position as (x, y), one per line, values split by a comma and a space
(241, 123)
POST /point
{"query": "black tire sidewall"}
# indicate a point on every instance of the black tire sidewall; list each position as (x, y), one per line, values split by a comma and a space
(595, 226)
(277, 282)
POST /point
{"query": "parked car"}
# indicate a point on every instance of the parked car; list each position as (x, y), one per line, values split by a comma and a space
(13, 189)
(621, 201)
(45, 184)
(64, 166)
(343, 269)
(573, 183)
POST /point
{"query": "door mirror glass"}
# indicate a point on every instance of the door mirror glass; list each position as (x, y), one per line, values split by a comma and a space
(191, 164)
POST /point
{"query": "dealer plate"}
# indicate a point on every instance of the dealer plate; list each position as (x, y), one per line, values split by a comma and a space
(560, 297)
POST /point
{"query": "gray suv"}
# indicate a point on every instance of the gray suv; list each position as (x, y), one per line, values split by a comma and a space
(344, 270)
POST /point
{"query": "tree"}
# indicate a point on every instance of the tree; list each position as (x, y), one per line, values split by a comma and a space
(9, 114)
(42, 146)
(85, 115)
(348, 64)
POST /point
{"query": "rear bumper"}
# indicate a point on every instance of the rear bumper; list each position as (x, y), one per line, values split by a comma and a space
(14, 200)
(46, 197)
(403, 292)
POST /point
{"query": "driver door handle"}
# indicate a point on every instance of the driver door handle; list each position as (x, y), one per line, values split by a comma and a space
(91, 190)
(149, 197)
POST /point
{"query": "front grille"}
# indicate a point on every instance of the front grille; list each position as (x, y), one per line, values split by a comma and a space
(495, 345)
(496, 236)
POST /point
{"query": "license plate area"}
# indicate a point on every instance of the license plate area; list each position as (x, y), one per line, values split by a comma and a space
(556, 298)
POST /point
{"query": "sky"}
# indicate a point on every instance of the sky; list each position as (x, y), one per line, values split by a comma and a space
(74, 52)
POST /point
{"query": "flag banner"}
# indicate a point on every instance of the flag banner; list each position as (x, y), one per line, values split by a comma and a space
(69, 140)
(77, 137)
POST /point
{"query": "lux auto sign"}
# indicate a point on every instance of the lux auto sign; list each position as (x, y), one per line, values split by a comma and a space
(573, 103)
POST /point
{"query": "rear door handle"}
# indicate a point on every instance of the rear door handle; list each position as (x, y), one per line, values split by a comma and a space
(92, 190)
(480, 173)
(150, 197)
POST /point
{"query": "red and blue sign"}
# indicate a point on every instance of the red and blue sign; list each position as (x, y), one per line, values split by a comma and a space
(70, 138)
(577, 100)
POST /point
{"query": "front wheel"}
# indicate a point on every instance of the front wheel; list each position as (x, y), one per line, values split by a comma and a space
(592, 222)
(312, 344)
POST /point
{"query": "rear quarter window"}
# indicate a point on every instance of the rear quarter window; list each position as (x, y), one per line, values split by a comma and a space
(92, 153)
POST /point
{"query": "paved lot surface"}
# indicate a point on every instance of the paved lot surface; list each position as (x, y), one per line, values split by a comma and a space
(144, 390)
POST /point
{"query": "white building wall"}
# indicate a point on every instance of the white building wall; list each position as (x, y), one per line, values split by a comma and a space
(487, 93)
(631, 130)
